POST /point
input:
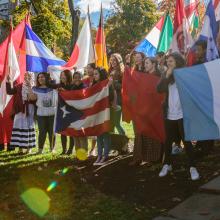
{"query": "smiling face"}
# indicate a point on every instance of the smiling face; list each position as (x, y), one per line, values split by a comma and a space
(77, 79)
(171, 63)
(90, 70)
(63, 78)
(149, 66)
(138, 59)
(96, 76)
(41, 79)
(113, 62)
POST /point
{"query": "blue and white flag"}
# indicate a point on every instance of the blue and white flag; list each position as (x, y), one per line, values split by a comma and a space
(199, 90)
(39, 57)
(149, 45)
(209, 32)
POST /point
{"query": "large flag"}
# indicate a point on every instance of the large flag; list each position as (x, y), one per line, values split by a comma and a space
(147, 115)
(199, 92)
(182, 39)
(149, 45)
(38, 56)
(84, 112)
(13, 71)
(100, 45)
(217, 9)
(84, 52)
(18, 39)
(166, 35)
(190, 7)
(209, 32)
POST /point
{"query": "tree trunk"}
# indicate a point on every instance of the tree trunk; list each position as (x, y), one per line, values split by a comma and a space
(75, 14)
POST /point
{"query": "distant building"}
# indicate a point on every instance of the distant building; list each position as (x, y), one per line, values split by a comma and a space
(4, 9)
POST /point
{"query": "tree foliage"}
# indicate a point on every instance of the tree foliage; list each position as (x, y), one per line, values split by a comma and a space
(129, 23)
(51, 21)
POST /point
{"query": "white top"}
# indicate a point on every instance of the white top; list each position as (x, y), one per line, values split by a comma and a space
(174, 106)
(46, 101)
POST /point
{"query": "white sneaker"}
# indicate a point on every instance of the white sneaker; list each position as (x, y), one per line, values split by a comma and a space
(96, 163)
(165, 170)
(194, 173)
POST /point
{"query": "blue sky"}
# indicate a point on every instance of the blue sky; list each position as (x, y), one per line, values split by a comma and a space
(94, 6)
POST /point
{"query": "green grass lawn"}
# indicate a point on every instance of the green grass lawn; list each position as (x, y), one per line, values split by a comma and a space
(72, 198)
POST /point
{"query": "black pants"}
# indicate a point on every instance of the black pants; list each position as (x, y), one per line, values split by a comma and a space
(174, 128)
(64, 143)
(45, 125)
(205, 146)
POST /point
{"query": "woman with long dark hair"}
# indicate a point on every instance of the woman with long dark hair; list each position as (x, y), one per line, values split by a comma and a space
(174, 116)
(104, 140)
(46, 105)
(66, 83)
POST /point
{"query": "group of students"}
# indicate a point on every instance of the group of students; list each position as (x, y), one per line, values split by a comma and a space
(39, 98)
(163, 66)
(43, 97)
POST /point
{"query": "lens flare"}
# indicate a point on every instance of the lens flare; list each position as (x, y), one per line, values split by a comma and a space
(64, 171)
(52, 186)
(81, 154)
(36, 200)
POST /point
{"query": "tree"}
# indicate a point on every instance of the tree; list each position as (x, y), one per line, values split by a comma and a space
(50, 20)
(129, 23)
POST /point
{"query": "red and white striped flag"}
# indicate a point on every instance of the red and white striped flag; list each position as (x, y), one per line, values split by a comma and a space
(84, 112)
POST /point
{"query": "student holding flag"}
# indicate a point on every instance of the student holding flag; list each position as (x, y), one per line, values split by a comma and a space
(45, 98)
(23, 133)
(66, 83)
(174, 116)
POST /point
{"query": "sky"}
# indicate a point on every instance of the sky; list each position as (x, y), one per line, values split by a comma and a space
(94, 7)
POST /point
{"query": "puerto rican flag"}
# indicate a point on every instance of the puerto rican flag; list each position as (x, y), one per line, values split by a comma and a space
(84, 112)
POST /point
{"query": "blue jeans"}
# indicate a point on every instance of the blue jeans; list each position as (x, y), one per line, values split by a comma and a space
(103, 141)
(117, 122)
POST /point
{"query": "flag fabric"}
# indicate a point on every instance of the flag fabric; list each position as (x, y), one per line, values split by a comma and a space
(194, 24)
(217, 9)
(13, 71)
(149, 45)
(18, 39)
(209, 32)
(200, 99)
(182, 39)
(84, 112)
(84, 52)
(142, 104)
(38, 56)
(100, 45)
(190, 7)
(166, 35)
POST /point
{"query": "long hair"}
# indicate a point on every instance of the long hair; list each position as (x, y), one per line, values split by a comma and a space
(154, 61)
(120, 64)
(47, 79)
(142, 67)
(180, 61)
(69, 77)
(103, 75)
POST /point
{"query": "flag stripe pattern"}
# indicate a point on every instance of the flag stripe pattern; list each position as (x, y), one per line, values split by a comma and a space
(149, 45)
(201, 100)
(38, 56)
(84, 112)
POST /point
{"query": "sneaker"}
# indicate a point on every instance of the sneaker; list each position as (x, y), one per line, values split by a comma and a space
(176, 150)
(103, 161)
(165, 170)
(194, 173)
(96, 163)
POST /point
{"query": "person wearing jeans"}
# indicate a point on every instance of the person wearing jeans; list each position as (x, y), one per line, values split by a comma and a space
(174, 116)
(103, 140)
